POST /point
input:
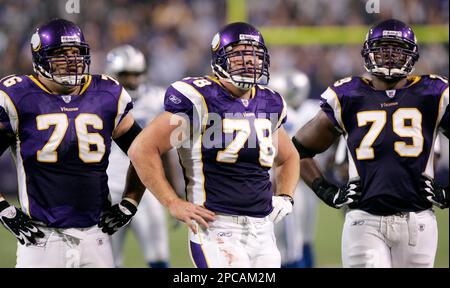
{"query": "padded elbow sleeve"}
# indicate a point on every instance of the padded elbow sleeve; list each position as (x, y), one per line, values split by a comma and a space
(125, 140)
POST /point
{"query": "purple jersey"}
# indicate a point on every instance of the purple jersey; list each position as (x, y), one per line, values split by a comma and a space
(62, 146)
(227, 162)
(390, 137)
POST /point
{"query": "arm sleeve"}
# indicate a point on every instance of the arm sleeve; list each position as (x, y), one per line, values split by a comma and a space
(177, 103)
(443, 125)
(443, 114)
(184, 100)
(124, 105)
(282, 115)
(331, 105)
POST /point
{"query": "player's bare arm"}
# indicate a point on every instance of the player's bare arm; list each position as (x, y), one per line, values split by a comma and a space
(287, 169)
(314, 138)
(123, 135)
(145, 154)
(121, 213)
(287, 164)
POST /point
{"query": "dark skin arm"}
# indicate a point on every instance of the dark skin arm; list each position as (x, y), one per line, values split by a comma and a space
(134, 189)
(317, 135)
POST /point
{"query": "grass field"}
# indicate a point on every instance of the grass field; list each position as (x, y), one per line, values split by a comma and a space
(328, 242)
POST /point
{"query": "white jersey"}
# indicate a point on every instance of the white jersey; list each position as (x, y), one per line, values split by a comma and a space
(297, 228)
(149, 224)
(147, 105)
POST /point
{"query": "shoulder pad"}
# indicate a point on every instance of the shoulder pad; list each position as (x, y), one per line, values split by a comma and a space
(438, 78)
(199, 82)
(107, 78)
(351, 83)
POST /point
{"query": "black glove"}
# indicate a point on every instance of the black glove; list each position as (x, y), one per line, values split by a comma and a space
(338, 197)
(434, 193)
(117, 216)
(19, 224)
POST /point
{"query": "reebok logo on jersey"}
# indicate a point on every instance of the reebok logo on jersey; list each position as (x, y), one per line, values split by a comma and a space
(358, 222)
(224, 234)
(174, 99)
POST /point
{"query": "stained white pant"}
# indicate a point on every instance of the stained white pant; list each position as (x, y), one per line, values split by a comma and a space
(67, 248)
(401, 240)
(150, 227)
(236, 242)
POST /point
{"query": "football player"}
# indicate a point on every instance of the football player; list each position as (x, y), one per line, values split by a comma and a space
(228, 131)
(127, 64)
(390, 123)
(59, 124)
(295, 233)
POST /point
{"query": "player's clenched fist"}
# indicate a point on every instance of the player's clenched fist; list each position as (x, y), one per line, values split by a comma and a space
(117, 216)
(282, 206)
(338, 197)
(434, 193)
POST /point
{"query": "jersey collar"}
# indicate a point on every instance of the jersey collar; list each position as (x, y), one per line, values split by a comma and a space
(40, 85)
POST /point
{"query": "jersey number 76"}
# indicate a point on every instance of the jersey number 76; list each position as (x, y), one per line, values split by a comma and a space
(85, 139)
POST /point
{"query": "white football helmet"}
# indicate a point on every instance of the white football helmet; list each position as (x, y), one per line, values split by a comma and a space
(293, 85)
(125, 58)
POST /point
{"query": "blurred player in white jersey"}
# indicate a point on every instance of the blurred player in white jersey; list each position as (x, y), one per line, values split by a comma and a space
(295, 233)
(128, 65)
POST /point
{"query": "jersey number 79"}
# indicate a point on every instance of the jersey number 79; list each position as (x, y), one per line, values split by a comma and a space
(412, 129)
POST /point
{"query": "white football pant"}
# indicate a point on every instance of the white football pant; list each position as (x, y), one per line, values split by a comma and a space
(402, 240)
(235, 242)
(67, 248)
(150, 227)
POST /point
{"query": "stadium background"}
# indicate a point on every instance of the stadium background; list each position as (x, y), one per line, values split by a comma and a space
(323, 38)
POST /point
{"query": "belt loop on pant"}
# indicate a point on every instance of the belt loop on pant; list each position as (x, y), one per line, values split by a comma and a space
(412, 228)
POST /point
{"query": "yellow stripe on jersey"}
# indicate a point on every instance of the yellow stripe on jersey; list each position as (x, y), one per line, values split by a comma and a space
(333, 100)
(36, 81)
(122, 103)
(85, 86)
